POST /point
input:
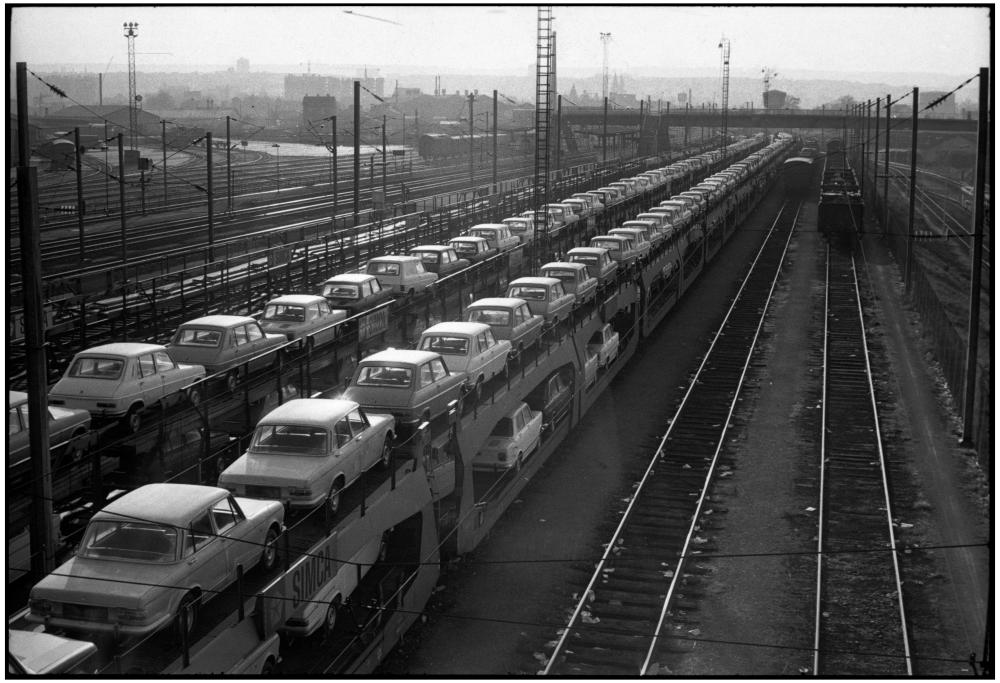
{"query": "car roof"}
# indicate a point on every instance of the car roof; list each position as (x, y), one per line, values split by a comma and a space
(296, 299)
(219, 321)
(163, 503)
(616, 238)
(535, 280)
(309, 411)
(121, 349)
(454, 327)
(353, 278)
(469, 238)
(407, 356)
(394, 258)
(564, 264)
(587, 250)
(497, 302)
(488, 225)
(431, 247)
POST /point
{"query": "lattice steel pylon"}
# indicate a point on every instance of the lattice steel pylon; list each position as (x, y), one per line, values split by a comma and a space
(724, 44)
(131, 30)
(605, 39)
(544, 84)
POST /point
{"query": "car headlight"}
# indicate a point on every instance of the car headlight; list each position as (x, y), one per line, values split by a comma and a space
(124, 614)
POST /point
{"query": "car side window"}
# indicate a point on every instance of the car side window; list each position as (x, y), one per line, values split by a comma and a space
(254, 332)
(163, 361)
(199, 533)
(359, 422)
(324, 308)
(426, 375)
(146, 365)
(225, 517)
(491, 340)
(13, 421)
(240, 335)
(373, 287)
(342, 431)
(437, 367)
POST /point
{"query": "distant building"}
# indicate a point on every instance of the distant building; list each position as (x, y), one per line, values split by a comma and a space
(242, 65)
(775, 99)
(116, 115)
(403, 94)
(315, 108)
(298, 86)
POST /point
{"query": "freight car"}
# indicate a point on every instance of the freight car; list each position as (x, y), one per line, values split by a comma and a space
(443, 146)
(840, 214)
(797, 175)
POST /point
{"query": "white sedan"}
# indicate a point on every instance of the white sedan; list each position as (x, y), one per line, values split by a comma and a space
(514, 438)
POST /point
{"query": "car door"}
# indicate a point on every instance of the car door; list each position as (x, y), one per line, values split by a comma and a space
(172, 377)
(148, 382)
(258, 343)
(233, 528)
(204, 554)
(366, 449)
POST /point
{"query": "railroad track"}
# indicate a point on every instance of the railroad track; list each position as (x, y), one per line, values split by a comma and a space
(860, 621)
(622, 618)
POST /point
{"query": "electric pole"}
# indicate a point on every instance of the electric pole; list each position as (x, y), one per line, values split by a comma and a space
(131, 30)
(605, 39)
(724, 45)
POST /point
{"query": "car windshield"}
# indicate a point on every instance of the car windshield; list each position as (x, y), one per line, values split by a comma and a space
(485, 234)
(430, 257)
(284, 313)
(198, 336)
(464, 247)
(610, 245)
(450, 346)
(490, 316)
(336, 290)
(129, 540)
(289, 440)
(528, 293)
(505, 427)
(518, 226)
(383, 268)
(564, 275)
(584, 258)
(97, 367)
(385, 376)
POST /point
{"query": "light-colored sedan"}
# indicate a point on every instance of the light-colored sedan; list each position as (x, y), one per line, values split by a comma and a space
(224, 342)
(413, 386)
(604, 344)
(69, 430)
(598, 261)
(545, 296)
(118, 381)
(575, 277)
(468, 347)
(309, 450)
(402, 275)
(510, 318)
(154, 555)
(301, 315)
(514, 437)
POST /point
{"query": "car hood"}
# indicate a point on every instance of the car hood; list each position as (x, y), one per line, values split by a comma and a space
(73, 387)
(275, 470)
(106, 583)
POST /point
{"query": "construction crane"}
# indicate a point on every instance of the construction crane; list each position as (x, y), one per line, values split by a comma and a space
(724, 45)
(768, 75)
(605, 39)
(131, 30)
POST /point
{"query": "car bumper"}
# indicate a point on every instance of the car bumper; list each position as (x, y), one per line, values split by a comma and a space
(82, 626)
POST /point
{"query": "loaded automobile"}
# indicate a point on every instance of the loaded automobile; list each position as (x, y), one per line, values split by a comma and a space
(474, 249)
(468, 347)
(154, 556)
(598, 261)
(545, 296)
(575, 277)
(308, 450)
(355, 292)
(497, 234)
(222, 343)
(402, 275)
(514, 437)
(439, 259)
(510, 319)
(301, 315)
(119, 381)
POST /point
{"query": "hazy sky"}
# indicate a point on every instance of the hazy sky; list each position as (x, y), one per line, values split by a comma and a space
(939, 39)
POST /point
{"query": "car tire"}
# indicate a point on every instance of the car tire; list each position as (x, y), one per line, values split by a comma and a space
(267, 669)
(194, 396)
(386, 456)
(133, 419)
(269, 555)
(477, 390)
(333, 499)
(331, 617)
(232, 382)
(189, 606)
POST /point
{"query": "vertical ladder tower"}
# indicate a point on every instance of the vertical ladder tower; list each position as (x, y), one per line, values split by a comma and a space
(724, 44)
(131, 30)
(544, 83)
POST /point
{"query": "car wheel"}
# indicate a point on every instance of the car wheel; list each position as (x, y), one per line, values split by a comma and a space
(194, 396)
(268, 668)
(386, 456)
(187, 614)
(232, 382)
(269, 556)
(133, 419)
(333, 499)
(330, 620)
(478, 389)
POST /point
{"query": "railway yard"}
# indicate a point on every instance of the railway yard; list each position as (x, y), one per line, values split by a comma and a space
(738, 455)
